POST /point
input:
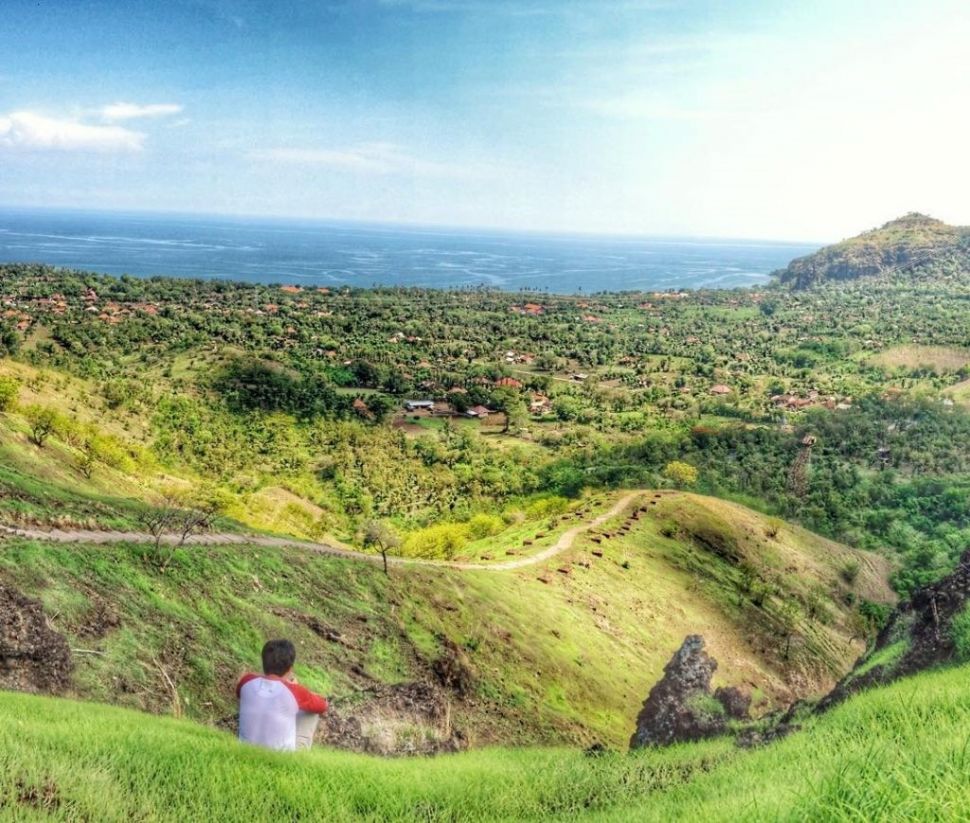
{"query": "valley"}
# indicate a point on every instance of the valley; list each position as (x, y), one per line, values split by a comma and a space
(485, 519)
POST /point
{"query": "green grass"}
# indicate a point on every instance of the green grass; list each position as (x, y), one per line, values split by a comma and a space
(897, 753)
(884, 658)
(29, 494)
(960, 632)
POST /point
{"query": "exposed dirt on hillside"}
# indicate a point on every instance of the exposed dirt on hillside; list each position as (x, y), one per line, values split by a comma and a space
(33, 657)
(401, 719)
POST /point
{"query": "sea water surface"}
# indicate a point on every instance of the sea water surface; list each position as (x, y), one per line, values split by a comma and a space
(336, 254)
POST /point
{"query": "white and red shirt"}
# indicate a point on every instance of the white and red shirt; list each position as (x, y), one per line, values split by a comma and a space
(268, 707)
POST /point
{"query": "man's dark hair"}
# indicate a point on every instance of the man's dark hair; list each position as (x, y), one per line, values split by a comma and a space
(278, 657)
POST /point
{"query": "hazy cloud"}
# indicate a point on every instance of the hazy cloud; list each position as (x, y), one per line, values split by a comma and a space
(132, 111)
(364, 158)
(26, 130)
(525, 8)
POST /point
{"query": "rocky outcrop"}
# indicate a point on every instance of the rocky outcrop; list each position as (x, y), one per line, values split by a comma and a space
(917, 636)
(735, 701)
(681, 707)
(33, 657)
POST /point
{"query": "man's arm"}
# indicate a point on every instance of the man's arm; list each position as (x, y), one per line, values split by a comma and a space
(243, 681)
(306, 700)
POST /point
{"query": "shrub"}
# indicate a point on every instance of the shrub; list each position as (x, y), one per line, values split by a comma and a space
(9, 389)
(442, 541)
(546, 506)
(681, 474)
(850, 571)
(511, 516)
(484, 525)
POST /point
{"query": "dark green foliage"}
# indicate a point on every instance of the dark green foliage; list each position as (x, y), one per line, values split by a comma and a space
(258, 386)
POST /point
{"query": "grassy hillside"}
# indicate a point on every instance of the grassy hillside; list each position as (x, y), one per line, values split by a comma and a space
(897, 753)
(563, 650)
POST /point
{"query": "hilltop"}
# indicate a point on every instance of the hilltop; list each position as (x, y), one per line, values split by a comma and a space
(912, 245)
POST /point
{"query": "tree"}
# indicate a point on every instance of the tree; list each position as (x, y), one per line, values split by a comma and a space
(681, 474)
(516, 413)
(42, 421)
(182, 516)
(9, 340)
(381, 534)
(86, 461)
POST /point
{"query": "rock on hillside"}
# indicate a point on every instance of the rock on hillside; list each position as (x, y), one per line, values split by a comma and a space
(908, 244)
(920, 634)
(681, 708)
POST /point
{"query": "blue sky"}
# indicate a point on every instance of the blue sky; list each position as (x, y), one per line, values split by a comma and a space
(787, 120)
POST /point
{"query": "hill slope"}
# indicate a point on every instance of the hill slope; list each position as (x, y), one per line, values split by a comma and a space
(909, 244)
(562, 651)
(896, 753)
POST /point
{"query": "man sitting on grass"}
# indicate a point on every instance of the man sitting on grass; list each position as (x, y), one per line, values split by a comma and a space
(274, 710)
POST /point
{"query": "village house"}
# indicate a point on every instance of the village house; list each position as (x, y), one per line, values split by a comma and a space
(720, 389)
(418, 405)
(791, 402)
(508, 383)
(479, 412)
(540, 404)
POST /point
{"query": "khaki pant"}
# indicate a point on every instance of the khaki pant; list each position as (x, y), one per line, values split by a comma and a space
(306, 728)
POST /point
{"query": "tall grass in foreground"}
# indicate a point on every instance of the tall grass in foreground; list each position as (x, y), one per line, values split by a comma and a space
(80, 761)
(900, 753)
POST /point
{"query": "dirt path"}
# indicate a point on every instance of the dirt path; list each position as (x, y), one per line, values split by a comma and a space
(564, 542)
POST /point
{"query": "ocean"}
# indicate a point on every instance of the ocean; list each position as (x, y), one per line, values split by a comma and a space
(363, 255)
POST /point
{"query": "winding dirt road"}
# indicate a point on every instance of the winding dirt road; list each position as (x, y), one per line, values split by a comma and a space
(564, 542)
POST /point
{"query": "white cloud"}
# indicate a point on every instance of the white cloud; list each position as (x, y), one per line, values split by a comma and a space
(364, 158)
(28, 130)
(132, 111)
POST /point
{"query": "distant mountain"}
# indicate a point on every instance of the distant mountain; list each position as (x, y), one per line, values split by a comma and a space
(914, 243)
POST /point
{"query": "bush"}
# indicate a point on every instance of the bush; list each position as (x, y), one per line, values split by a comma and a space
(111, 452)
(9, 389)
(545, 507)
(443, 541)
(484, 525)
(850, 571)
(681, 474)
(511, 516)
